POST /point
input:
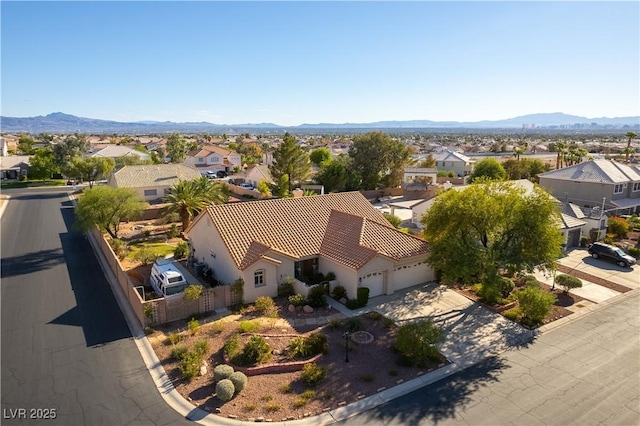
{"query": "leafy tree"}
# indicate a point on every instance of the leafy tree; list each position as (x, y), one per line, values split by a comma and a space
(90, 169)
(176, 148)
(375, 153)
(429, 162)
(526, 168)
(263, 188)
(320, 155)
(106, 207)
(43, 164)
(189, 197)
(283, 186)
(334, 174)
(567, 282)
(398, 155)
(393, 219)
(291, 160)
(131, 160)
(490, 226)
(628, 150)
(25, 144)
(73, 146)
(488, 168)
(618, 227)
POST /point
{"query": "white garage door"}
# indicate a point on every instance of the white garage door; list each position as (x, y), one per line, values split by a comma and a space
(374, 282)
(412, 274)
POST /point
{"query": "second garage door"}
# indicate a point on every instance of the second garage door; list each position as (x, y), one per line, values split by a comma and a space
(374, 282)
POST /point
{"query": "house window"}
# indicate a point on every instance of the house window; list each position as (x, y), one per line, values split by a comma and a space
(636, 186)
(150, 192)
(258, 278)
(617, 189)
(306, 270)
(200, 160)
(603, 224)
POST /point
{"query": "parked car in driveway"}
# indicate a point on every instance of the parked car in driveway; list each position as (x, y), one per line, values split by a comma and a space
(246, 186)
(612, 253)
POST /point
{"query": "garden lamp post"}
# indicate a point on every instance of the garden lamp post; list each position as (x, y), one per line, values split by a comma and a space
(347, 336)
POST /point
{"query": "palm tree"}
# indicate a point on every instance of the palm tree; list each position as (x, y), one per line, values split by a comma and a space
(560, 149)
(190, 197)
(629, 135)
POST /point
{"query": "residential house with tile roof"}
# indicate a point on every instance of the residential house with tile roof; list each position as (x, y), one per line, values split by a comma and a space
(152, 181)
(257, 173)
(213, 158)
(116, 151)
(592, 183)
(269, 241)
(458, 163)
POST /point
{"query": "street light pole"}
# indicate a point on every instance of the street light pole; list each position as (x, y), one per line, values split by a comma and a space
(347, 336)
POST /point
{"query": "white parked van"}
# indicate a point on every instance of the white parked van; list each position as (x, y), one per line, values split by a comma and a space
(166, 279)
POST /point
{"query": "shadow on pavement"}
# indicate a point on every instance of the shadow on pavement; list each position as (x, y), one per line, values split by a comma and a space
(606, 265)
(31, 262)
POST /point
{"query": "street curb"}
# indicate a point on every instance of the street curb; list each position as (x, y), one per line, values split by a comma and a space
(4, 205)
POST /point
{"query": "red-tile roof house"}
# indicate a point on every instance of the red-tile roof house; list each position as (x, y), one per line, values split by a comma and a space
(265, 242)
(213, 158)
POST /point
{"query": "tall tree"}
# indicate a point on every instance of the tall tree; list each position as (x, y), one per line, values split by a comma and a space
(428, 162)
(560, 148)
(627, 151)
(320, 155)
(90, 169)
(25, 144)
(370, 155)
(71, 147)
(397, 156)
(176, 148)
(290, 159)
(333, 175)
(490, 226)
(190, 197)
(489, 168)
(42, 165)
(106, 207)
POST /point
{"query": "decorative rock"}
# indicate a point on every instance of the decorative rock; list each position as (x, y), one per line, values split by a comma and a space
(203, 368)
(360, 396)
(275, 352)
(381, 389)
(342, 403)
(307, 309)
(399, 381)
(218, 410)
(233, 416)
(306, 414)
(324, 410)
(292, 308)
(259, 419)
(291, 418)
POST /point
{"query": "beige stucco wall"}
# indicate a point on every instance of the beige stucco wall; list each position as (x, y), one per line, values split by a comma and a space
(378, 264)
(251, 292)
(345, 276)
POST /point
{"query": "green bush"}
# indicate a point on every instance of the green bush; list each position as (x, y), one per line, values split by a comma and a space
(635, 252)
(353, 324)
(181, 251)
(285, 289)
(530, 281)
(265, 305)
(174, 338)
(393, 219)
(490, 291)
(178, 352)
(330, 276)
(145, 256)
(201, 346)
(363, 296)
(173, 231)
(239, 381)
(618, 226)
(512, 313)
(506, 286)
(225, 390)
(417, 341)
(222, 371)
(249, 326)
(231, 346)
(256, 351)
(352, 304)
(584, 240)
(312, 374)
(194, 326)
(315, 299)
(567, 282)
(119, 247)
(297, 348)
(190, 364)
(317, 343)
(339, 292)
(297, 300)
(535, 304)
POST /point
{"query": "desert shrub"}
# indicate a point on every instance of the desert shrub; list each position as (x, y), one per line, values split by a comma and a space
(285, 288)
(256, 351)
(192, 292)
(334, 324)
(635, 252)
(173, 231)
(181, 251)
(609, 239)
(330, 276)
(353, 324)
(272, 407)
(476, 288)
(249, 407)
(315, 299)
(119, 247)
(297, 300)
(201, 346)
(388, 322)
(249, 326)
(512, 313)
(265, 305)
(363, 296)
(417, 341)
(308, 394)
(584, 240)
(313, 373)
(190, 364)
(239, 381)
(530, 281)
(618, 226)
(222, 371)
(535, 304)
(352, 304)
(297, 348)
(169, 218)
(317, 343)
(567, 282)
(490, 291)
(194, 326)
(339, 292)
(145, 256)
(231, 346)
(506, 286)
(178, 352)
(286, 388)
(174, 338)
(374, 315)
(367, 377)
(225, 390)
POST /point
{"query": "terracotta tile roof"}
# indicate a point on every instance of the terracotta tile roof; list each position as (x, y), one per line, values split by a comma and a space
(150, 175)
(300, 227)
(206, 150)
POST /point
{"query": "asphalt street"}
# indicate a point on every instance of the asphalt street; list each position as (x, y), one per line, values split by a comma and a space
(68, 357)
(584, 373)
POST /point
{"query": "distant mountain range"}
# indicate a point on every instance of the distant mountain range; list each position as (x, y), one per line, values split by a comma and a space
(58, 122)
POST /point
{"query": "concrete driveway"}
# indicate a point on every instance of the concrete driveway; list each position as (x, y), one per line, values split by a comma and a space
(579, 259)
(472, 332)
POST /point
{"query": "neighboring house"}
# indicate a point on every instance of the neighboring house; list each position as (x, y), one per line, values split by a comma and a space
(458, 163)
(419, 177)
(267, 242)
(607, 183)
(12, 166)
(213, 158)
(4, 147)
(256, 173)
(596, 221)
(116, 151)
(152, 181)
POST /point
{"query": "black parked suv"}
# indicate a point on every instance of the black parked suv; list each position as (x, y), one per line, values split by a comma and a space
(609, 252)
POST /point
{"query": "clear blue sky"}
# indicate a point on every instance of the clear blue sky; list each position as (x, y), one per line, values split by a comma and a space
(290, 63)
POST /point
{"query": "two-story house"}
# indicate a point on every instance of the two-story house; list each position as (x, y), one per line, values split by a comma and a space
(613, 186)
(458, 163)
(213, 158)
